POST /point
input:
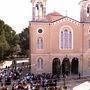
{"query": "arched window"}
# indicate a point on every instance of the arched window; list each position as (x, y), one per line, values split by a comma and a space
(61, 39)
(40, 63)
(88, 9)
(36, 10)
(40, 43)
(39, 9)
(70, 39)
(66, 39)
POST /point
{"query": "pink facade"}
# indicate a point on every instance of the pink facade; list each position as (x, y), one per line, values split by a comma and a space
(54, 36)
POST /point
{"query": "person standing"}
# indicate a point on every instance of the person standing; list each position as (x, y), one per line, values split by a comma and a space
(79, 75)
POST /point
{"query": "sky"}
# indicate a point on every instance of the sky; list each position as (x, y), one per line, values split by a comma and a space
(18, 13)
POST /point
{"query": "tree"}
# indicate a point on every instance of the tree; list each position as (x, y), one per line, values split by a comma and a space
(24, 41)
(12, 38)
(8, 40)
(4, 46)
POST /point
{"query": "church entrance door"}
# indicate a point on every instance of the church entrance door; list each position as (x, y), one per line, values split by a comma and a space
(56, 68)
(66, 66)
(74, 66)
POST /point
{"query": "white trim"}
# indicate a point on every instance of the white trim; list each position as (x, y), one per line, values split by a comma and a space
(61, 29)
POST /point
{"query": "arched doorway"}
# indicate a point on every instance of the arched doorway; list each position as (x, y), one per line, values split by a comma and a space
(66, 66)
(56, 69)
(74, 65)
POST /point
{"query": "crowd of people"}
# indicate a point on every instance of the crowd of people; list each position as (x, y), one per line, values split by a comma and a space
(9, 76)
(43, 80)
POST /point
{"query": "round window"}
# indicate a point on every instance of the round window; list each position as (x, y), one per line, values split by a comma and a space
(40, 31)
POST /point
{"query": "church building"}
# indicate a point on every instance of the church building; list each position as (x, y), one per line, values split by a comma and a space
(59, 44)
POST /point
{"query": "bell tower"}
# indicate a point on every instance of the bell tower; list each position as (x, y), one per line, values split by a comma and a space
(38, 9)
(85, 11)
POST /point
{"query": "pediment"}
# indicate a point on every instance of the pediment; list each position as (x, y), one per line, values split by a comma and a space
(66, 19)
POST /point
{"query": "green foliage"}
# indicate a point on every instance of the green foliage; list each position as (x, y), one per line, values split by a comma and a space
(24, 42)
(8, 40)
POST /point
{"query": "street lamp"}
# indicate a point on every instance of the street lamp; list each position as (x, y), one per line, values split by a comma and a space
(14, 64)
